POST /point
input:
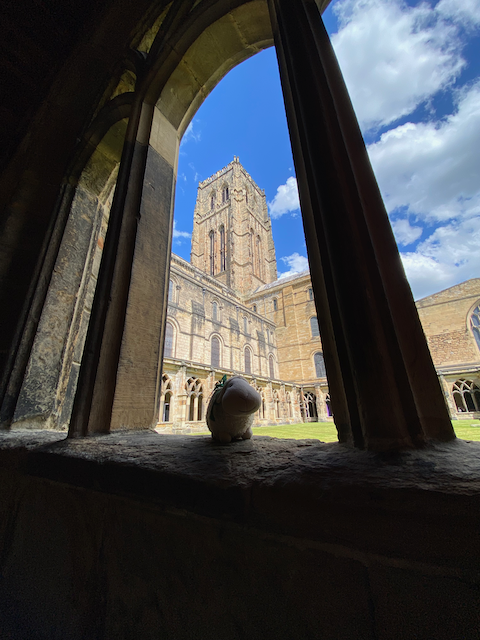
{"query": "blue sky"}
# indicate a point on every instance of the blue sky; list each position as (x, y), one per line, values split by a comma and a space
(412, 71)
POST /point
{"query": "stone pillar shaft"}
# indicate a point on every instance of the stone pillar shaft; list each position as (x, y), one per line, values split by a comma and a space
(384, 389)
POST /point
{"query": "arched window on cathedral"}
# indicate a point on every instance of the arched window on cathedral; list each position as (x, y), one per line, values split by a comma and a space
(215, 353)
(171, 291)
(168, 350)
(215, 311)
(271, 366)
(314, 327)
(475, 324)
(211, 237)
(319, 365)
(275, 305)
(245, 325)
(252, 249)
(213, 197)
(222, 248)
(225, 194)
(255, 308)
(310, 293)
(248, 360)
(258, 257)
(466, 395)
(194, 391)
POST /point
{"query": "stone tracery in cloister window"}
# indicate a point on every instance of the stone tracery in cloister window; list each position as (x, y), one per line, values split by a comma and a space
(466, 394)
(194, 389)
(166, 398)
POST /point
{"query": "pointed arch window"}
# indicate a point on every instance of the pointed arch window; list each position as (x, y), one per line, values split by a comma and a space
(248, 360)
(211, 237)
(222, 248)
(167, 394)
(225, 194)
(245, 325)
(311, 406)
(215, 352)
(475, 324)
(271, 366)
(213, 197)
(275, 304)
(319, 362)
(194, 391)
(168, 350)
(314, 327)
(214, 311)
(258, 257)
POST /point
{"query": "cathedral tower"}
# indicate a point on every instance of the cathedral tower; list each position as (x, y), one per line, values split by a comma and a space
(232, 231)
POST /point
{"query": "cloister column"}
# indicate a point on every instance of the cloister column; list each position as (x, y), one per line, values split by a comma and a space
(384, 388)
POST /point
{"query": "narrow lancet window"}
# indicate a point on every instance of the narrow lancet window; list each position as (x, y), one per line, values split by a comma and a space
(222, 248)
(212, 252)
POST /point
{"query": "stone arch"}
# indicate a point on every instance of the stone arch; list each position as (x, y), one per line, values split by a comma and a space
(466, 394)
(195, 399)
(166, 400)
(175, 79)
(311, 406)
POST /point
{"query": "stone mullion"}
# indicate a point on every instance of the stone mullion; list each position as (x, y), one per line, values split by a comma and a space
(354, 279)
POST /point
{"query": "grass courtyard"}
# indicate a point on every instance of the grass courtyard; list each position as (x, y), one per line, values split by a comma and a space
(325, 431)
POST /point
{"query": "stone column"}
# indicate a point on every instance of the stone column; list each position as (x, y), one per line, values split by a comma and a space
(384, 389)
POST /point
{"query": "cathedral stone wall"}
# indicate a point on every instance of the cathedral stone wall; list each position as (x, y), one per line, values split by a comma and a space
(445, 318)
(229, 314)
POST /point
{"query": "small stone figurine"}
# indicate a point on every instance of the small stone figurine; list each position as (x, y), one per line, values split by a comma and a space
(231, 408)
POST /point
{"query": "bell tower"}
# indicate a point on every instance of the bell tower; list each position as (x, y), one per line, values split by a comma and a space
(232, 231)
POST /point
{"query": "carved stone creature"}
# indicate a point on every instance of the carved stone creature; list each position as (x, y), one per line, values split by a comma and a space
(231, 408)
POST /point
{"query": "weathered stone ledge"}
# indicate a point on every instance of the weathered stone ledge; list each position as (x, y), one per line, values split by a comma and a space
(301, 488)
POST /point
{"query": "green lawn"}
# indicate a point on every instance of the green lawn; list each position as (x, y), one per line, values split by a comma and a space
(325, 431)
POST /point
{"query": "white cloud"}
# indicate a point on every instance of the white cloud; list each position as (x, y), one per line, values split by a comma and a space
(286, 199)
(394, 57)
(296, 262)
(178, 236)
(405, 234)
(465, 12)
(191, 132)
(433, 168)
(449, 256)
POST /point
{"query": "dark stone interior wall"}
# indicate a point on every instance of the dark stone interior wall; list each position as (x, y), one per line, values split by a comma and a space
(57, 62)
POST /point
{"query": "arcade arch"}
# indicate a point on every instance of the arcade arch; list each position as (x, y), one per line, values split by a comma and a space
(193, 48)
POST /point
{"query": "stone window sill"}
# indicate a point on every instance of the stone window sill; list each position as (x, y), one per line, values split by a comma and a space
(300, 488)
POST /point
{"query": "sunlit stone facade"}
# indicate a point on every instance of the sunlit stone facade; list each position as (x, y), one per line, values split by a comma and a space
(229, 314)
